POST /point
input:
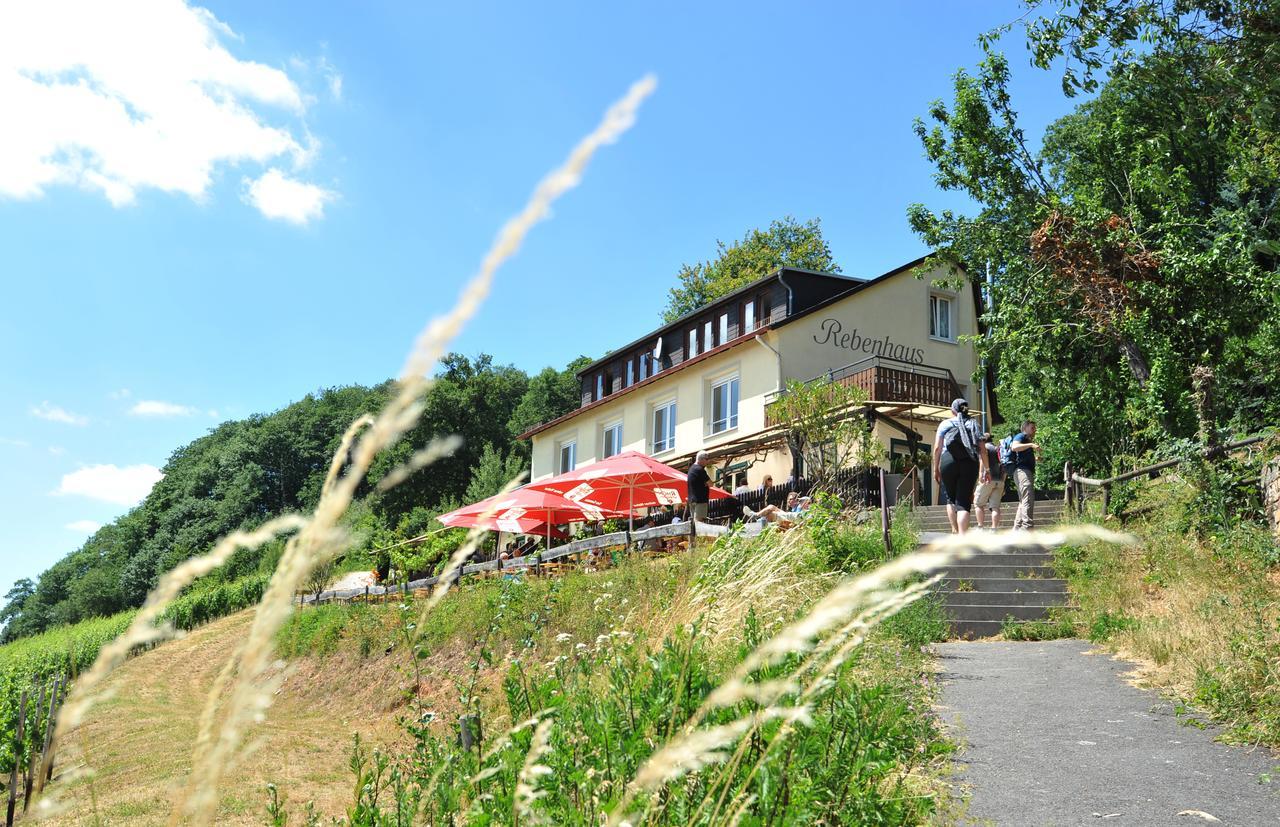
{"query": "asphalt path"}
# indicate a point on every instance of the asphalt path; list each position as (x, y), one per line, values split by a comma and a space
(1053, 735)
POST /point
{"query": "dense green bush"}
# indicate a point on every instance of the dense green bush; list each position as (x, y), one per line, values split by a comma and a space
(852, 542)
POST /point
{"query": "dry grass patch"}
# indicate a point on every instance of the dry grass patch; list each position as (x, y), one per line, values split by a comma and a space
(1201, 613)
(138, 740)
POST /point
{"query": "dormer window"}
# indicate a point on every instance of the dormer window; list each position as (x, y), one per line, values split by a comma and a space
(693, 343)
(599, 386)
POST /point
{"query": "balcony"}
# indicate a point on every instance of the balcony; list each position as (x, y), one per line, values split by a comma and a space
(884, 379)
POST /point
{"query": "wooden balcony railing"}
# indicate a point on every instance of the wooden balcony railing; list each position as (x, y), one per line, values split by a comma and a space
(890, 380)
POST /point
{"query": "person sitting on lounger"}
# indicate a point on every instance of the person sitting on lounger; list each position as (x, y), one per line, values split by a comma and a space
(787, 517)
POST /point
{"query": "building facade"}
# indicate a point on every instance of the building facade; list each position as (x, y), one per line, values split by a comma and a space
(706, 380)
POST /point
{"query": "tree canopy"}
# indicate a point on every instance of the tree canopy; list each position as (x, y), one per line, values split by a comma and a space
(786, 243)
(1137, 243)
(243, 473)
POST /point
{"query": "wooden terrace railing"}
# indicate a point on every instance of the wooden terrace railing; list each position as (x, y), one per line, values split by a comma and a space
(884, 379)
(533, 563)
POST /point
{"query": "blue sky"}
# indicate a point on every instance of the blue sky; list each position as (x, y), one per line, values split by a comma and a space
(218, 211)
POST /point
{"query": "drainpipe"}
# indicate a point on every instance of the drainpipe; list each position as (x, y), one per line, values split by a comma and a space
(790, 295)
(987, 391)
(778, 389)
(777, 356)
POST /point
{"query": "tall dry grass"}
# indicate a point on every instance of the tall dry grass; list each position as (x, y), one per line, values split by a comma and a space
(825, 636)
(243, 692)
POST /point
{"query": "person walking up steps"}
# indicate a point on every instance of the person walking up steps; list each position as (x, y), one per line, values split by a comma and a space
(1024, 448)
(987, 501)
(959, 462)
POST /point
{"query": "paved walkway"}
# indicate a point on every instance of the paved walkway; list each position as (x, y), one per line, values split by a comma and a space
(1051, 735)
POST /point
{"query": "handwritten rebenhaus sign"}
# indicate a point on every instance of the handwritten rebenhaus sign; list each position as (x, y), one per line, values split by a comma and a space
(832, 333)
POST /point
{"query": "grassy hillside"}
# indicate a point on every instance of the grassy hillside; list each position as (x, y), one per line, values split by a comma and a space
(613, 661)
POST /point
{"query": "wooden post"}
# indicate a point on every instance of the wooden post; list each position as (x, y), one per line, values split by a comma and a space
(884, 517)
(35, 722)
(1106, 500)
(1068, 492)
(46, 753)
(17, 758)
(366, 594)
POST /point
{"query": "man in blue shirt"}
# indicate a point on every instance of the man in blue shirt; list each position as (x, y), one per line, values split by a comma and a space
(1025, 449)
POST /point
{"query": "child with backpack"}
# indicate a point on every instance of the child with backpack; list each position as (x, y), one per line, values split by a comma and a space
(987, 501)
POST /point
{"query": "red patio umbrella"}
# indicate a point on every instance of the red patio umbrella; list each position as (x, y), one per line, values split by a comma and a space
(622, 483)
(522, 511)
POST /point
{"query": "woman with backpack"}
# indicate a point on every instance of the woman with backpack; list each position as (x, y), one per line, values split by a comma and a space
(959, 462)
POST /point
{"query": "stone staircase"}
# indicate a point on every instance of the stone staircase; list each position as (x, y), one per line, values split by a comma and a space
(982, 591)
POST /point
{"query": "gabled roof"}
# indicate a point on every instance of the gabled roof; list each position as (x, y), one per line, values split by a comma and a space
(725, 299)
(858, 284)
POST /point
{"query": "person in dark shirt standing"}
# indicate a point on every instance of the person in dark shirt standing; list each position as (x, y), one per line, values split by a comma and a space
(1025, 448)
(699, 487)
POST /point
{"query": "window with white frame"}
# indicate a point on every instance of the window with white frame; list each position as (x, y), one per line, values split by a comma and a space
(749, 316)
(724, 404)
(664, 426)
(599, 386)
(631, 373)
(693, 343)
(612, 440)
(724, 328)
(568, 456)
(940, 319)
(644, 366)
(707, 344)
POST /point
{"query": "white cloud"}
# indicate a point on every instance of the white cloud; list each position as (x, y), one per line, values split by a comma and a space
(333, 76)
(153, 407)
(119, 98)
(278, 196)
(84, 526)
(122, 486)
(53, 413)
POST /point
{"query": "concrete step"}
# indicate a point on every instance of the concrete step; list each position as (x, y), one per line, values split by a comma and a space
(964, 614)
(976, 598)
(1007, 509)
(1004, 584)
(1010, 558)
(1004, 572)
(973, 629)
(1006, 519)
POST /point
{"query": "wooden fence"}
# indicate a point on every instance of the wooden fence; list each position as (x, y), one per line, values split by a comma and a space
(533, 564)
(33, 743)
(1076, 482)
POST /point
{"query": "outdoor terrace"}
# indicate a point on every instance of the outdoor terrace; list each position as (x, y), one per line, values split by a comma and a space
(884, 379)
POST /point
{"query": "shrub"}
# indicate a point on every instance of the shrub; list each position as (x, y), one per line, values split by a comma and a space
(1058, 625)
(920, 623)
